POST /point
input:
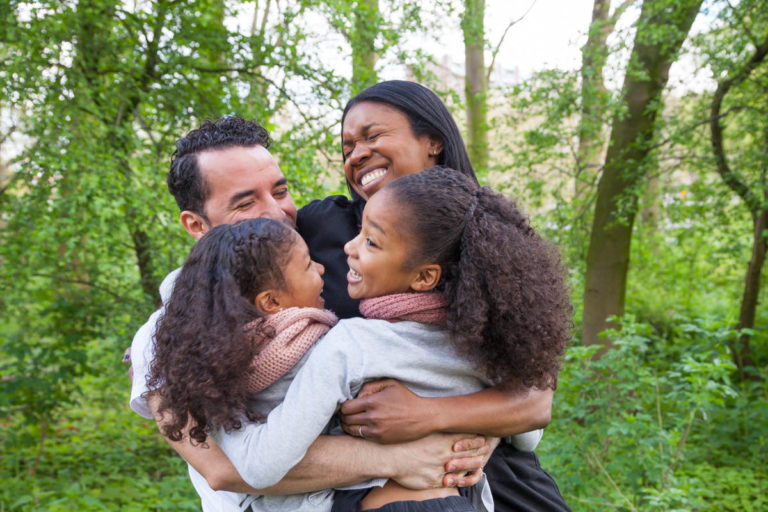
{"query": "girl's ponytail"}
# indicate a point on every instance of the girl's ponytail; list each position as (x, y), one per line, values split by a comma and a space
(509, 308)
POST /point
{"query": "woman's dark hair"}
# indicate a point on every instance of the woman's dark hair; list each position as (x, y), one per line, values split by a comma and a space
(508, 304)
(203, 352)
(427, 115)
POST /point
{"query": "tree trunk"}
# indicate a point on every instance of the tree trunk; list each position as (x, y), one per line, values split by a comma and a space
(475, 83)
(89, 53)
(741, 349)
(258, 92)
(632, 133)
(749, 299)
(363, 42)
(593, 92)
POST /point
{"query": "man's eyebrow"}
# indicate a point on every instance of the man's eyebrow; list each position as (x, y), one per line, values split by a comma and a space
(239, 196)
(282, 181)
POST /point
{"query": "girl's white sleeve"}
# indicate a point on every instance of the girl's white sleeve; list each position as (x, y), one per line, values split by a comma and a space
(264, 453)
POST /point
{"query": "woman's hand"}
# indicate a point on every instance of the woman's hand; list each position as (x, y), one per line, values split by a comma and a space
(385, 411)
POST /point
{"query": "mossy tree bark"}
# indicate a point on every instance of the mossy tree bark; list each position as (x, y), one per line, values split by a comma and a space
(661, 30)
(476, 83)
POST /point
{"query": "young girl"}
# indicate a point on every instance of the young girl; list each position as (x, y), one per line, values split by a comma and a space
(459, 290)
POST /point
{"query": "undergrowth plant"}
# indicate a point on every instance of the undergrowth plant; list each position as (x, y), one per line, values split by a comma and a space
(649, 424)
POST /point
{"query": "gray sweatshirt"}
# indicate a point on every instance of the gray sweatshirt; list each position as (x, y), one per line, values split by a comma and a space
(421, 356)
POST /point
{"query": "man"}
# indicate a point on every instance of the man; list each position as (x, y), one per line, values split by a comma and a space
(222, 173)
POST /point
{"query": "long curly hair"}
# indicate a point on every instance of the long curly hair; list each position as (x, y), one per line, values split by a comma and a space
(508, 304)
(202, 348)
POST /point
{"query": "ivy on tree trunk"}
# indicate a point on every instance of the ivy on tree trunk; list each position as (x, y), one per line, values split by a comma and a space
(661, 30)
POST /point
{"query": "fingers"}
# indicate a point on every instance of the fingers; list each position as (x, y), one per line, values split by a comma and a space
(362, 402)
(355, 430)
(467, 444)
(462, 479)
(370, 388)
(465, 464)
(354, 406)
(355, 419)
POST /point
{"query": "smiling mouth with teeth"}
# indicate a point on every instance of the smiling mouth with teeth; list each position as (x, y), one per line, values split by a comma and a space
(372, 175)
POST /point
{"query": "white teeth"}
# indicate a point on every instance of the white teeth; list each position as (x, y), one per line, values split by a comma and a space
(355, 274)
(372, 175)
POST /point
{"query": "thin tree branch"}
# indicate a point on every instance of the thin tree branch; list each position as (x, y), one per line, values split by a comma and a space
(716, 129)
(283, 92)
(742, 24)
(620, 10)
(60, 279)
(498, 46)
(596, 460)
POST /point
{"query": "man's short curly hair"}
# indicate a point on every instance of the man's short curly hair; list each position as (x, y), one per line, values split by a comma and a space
(185, 182)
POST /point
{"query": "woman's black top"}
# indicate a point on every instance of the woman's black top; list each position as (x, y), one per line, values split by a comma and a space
(326, 225)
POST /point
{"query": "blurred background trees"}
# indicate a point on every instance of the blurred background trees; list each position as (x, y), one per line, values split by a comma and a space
(646, 162)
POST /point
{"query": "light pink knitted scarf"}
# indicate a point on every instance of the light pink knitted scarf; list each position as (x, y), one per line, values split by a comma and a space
(296, 330)
(418, 307)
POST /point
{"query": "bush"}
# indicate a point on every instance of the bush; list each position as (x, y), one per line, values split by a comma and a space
(650, 425)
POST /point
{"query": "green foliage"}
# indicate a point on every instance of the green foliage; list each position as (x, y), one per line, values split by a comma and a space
(650, 424)
(97, 456)
(100, 91)
(88, 229)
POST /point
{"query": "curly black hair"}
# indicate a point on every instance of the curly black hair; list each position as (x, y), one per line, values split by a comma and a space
(203, 352)
(509, 307)
(185, 182)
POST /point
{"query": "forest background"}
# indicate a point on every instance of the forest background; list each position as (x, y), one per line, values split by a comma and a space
(646, 163)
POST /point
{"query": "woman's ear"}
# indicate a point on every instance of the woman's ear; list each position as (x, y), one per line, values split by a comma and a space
(427, 278)
(435, 146)
(266, 302)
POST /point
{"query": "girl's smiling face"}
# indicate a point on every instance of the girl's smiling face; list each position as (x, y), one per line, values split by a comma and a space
(302, 282)
(378, 257)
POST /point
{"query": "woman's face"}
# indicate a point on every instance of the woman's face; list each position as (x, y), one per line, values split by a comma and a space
(379, 146)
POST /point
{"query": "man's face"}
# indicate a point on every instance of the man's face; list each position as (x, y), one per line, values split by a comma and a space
(244, 183)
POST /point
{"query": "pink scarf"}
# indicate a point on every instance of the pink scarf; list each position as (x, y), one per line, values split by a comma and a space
(426, 307)
(296, 330)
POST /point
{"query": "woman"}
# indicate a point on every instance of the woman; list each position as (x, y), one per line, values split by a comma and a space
(390, 130)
